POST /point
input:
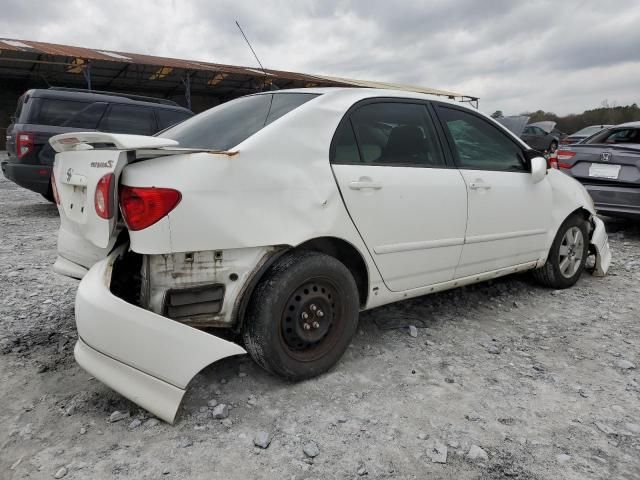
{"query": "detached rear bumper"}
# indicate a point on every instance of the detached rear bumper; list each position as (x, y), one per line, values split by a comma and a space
(146, 357)
(600, 243)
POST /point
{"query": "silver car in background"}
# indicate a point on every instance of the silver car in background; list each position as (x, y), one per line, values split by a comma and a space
(608, 165)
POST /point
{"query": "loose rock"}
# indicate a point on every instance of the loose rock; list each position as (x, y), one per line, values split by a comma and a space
(262, 439)
(184, 443)
(152, 422)
(476, 453)
(135, 424)
(563, 458)
(437, 451)
(413, 331)
(117, 416)
(493, 350)
(212, 403)
(61, 472)
(310, 449)
(220, 411)
(625, 364)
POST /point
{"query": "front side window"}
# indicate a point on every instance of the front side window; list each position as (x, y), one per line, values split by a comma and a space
(129, 119)
(389, 133)
(480, 145)
(227, 125)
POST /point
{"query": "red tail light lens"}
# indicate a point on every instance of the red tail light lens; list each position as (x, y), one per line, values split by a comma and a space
(103, 198)
(54, 189)
(566, 154)
(24, 144)
(143, 206)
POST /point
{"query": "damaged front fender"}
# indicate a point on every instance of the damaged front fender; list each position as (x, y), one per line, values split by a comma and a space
(146, 357)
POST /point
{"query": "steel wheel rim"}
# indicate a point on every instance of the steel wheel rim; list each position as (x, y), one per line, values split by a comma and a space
(571, 252)
(316, 304)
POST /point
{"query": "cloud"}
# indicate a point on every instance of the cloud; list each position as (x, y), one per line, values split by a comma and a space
(558, 56)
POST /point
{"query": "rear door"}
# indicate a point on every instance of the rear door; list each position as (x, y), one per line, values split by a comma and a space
(407, 202)
(85, 236)
(508, 214)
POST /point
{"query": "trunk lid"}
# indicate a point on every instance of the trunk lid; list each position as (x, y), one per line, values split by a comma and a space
(602, 163)
(82, 160)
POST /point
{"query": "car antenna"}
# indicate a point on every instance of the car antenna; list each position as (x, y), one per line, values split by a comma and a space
(273, 87)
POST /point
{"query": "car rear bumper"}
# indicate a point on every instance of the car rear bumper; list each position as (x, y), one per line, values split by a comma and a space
(33, 177)
(146, 357)
(616, 200)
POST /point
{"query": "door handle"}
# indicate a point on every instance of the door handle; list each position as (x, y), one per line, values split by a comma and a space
(362, 184)
(479, 185)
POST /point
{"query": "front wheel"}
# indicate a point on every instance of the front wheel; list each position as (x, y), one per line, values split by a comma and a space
(302, 315)
(567, 256)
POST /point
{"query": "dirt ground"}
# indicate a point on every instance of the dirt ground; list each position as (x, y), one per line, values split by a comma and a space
(504, 380)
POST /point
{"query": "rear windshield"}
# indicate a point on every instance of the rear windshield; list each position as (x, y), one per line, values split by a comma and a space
(587, 131)
(229, 124)
(617, 135)
(49, 111)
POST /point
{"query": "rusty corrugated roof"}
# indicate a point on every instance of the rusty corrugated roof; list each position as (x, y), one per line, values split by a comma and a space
(78, 55)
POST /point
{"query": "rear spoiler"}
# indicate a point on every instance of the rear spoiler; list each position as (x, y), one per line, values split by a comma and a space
(85, 141)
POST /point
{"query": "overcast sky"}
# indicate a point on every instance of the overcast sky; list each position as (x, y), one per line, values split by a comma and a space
(563, 56)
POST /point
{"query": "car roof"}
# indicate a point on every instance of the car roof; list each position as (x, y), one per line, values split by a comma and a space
(110, 97)
(629, 124)
(363, 93)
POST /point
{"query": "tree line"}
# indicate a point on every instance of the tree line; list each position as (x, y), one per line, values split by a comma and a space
(604, 115)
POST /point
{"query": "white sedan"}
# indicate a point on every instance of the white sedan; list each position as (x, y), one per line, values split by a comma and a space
(275, 218)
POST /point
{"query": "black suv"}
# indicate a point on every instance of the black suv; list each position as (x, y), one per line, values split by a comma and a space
(44, 113)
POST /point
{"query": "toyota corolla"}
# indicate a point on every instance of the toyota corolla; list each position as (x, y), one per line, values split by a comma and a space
(266, 224)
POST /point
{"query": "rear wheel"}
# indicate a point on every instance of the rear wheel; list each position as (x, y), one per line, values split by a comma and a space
(302, 316)
(567, 256)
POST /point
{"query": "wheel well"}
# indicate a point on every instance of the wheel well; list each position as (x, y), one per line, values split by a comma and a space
(348, 255)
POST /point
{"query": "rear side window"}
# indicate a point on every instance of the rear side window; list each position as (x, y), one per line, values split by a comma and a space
(129, 119)
(168, 118)
(390, 133)
(229, 124)
(480, 145)
(89, 117)
(50, 111)
(618, 135)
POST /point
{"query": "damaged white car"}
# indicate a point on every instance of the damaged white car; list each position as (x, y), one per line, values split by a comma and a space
(273, 219)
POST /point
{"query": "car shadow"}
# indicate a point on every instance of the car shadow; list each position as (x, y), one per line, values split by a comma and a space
(39, 209)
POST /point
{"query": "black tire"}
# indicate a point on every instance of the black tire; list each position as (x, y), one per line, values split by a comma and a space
(555, 273)
(278, 335)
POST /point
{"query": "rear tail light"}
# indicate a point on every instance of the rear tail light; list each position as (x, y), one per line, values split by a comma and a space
(143, 206)
(54, 189)
(552, 160)
(103, 198)
(563, 156)
(24, 144)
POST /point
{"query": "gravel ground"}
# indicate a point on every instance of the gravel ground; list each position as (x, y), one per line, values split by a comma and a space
(503, 380)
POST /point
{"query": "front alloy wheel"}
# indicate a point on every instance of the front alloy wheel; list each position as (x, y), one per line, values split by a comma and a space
(567, 256)
(571, 252)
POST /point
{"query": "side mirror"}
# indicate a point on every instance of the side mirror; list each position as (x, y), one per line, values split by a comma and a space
(538, 169)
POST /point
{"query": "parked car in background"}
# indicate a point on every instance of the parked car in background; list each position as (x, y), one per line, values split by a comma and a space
(43, 113)
(582, 134)
(542, 136)
(277, 217)
(608, 165)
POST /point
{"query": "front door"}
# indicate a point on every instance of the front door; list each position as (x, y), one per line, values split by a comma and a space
(408, 204)
(509, 214)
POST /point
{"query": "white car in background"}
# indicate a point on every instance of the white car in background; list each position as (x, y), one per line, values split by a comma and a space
(277, 217)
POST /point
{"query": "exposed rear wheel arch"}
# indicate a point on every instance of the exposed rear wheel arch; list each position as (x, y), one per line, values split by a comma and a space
(346, 253)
